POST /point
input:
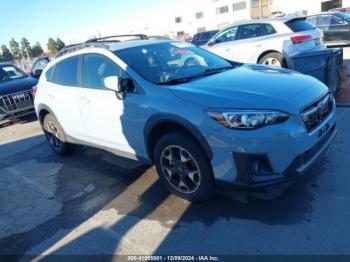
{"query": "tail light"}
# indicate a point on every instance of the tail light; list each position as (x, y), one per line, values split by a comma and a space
(300, 38)
(34, 90)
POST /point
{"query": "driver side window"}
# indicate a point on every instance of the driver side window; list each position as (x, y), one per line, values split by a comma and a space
(227, 36)
(96, 68)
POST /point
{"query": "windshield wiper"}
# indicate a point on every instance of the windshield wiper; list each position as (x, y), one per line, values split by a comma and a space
(207, 72)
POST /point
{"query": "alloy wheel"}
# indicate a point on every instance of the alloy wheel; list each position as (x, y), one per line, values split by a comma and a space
(53, 135)
(180, 169)
(271, 61)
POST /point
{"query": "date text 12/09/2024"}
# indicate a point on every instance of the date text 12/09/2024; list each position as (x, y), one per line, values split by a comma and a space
(173, 258)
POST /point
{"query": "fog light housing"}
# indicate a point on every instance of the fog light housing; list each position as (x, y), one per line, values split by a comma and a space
(260, 165)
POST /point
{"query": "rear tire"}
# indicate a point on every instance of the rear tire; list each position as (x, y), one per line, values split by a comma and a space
(55, 136)
(272, 59)
(183, 167)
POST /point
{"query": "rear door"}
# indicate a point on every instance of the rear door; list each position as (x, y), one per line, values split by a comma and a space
(251, 41)
(61, 92)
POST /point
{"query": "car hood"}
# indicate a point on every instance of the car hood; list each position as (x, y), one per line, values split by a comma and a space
(252, 87)
(17, 85)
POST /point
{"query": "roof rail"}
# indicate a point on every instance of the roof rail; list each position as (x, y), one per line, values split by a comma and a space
(95, 42)
(71, 48)
(105, 38)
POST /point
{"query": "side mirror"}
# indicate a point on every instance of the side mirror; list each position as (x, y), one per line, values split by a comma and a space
(212, 42)
(120, 86)
(127, 85)
(112, 83)
(37, 73)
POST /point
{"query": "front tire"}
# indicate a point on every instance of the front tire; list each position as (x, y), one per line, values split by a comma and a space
(183, 167)
(55, 136)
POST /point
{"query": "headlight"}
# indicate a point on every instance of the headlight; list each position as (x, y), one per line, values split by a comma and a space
(248, 119)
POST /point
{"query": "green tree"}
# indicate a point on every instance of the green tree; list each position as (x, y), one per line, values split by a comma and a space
(15, 50)
(6, 54)
(25, 48)
(37, 50)
(51, 46)
(54, 46)
(59, 44)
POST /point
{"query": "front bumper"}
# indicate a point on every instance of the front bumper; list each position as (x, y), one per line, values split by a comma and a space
(17, 113)
(16, 105)
(269, 155)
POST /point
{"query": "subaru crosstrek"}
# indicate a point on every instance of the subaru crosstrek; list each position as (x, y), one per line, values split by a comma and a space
(197, 117)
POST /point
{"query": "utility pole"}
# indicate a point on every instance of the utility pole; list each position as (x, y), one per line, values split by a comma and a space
(27, 52)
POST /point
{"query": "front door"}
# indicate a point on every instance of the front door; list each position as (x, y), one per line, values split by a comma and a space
(109, 121)
(223, 44)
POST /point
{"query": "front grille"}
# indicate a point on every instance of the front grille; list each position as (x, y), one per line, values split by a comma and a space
(17, 101)
(317, 112)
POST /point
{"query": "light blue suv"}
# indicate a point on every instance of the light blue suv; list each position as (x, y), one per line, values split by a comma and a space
(197, 117)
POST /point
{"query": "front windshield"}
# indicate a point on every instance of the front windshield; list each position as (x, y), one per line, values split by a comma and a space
(165, 62)
(8, 72)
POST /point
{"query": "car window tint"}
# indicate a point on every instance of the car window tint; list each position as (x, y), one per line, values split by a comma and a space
(299, 25)
(67, 71)
(335, 20)
(269, 30)
(251, 31)
(228, 35)
(96, 68)
(50, 73)
(323, 20)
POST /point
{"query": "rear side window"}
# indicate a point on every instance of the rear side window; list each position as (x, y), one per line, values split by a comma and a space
(49, 74)
(67, 71)
(299, 25)
(269, 30)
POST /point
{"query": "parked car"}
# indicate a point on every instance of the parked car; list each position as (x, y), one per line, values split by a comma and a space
(335, 27)
(15, 91)
(262, 41)
(203, 37)
(197, 122)
(341, 9)
(39, 65)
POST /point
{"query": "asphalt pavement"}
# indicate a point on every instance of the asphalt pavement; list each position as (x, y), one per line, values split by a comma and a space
(93, 202)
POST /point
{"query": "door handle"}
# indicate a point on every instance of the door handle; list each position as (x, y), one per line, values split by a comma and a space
(84, 100)
(51, 96)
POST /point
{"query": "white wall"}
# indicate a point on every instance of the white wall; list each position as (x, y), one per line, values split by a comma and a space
(210, 20)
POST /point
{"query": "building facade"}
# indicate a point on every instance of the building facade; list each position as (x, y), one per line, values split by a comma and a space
(204, 15)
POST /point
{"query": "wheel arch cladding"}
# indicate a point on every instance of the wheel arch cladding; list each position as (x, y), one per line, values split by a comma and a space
(162, 124)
